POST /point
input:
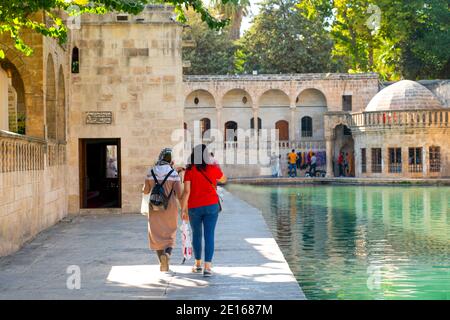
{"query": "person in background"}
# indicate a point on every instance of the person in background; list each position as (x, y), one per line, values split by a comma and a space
(200, 205)
(162, 223)
(346, 164)
(292, 160)
(274, 164)
(279, 173)
(313, 165)
(340, 162)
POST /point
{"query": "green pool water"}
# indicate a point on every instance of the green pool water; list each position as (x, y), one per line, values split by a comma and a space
(354, 242)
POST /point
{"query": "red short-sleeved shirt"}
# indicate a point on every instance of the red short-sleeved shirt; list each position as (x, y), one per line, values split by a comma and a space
(202, 192)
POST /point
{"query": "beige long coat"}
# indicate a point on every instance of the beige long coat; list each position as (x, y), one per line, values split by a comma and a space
(163, 224)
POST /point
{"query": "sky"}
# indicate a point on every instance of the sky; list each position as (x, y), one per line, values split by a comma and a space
(246, 22)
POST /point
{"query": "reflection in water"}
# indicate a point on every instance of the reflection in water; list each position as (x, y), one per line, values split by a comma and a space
(352, 242)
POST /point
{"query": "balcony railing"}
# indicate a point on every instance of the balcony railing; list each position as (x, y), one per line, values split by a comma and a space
(21, 153)
(410, 118)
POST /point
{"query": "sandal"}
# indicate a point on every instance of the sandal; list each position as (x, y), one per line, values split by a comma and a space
(197, 269)
(207, 273)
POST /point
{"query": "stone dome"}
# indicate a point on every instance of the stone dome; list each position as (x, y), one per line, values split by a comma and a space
(404, 95)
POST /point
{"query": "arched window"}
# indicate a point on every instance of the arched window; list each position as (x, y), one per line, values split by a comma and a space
(75, 60)
(230, 131)
(61, 111)
(307, 127)
(252, 123)
(205, 126)
(50, 99)
(283, 130)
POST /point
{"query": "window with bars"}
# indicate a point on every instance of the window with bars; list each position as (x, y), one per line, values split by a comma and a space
(415, 160)
(363, 160)
(395, 160)
(435, 159)
(347, 103)
(307, 127)
(376, 160)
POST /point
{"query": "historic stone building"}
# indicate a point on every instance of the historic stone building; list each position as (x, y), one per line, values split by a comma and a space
(80, 123)
(330, 114)
(403, 132)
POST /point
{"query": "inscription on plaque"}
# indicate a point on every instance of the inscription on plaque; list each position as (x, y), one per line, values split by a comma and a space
(99, 117)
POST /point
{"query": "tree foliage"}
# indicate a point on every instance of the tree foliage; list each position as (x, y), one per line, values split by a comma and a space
(282, 40)
(214, 51)
(235, 11)
(396, 38)
(16, 15)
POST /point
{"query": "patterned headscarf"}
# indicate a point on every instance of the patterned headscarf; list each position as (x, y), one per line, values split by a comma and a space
(161, 156)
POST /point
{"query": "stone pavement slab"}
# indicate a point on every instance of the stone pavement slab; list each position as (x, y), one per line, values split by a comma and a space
(115, 263)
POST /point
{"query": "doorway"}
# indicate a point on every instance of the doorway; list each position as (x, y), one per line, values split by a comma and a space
(345, 145)
(100, 173)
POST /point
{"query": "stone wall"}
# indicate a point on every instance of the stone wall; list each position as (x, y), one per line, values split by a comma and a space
(32, 188)
(404, 138)
(132, 68)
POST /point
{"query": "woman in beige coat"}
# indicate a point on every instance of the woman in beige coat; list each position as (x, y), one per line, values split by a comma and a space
(162, 222)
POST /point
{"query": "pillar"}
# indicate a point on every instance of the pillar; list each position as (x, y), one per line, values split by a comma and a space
(425, 156)
(329, 155)
(292, 125)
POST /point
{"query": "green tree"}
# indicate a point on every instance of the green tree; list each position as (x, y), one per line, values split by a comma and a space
(282, 40)
(16, 15)
(396, 38)
(213, 52)
(235, 11)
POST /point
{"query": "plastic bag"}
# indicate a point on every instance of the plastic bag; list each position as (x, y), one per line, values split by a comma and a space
(186, 241)
(145, 203)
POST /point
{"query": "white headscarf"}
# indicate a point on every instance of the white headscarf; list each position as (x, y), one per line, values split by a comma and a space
(162, 168)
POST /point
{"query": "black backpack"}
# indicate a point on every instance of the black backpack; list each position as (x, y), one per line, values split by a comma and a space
(158, 198)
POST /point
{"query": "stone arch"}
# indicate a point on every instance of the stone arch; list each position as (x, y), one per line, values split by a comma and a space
(200, 98)
(311, 97)
(31, 110)
(61, 109)
(274, 98)
(50, 98)
(237, 98)
(13, 98)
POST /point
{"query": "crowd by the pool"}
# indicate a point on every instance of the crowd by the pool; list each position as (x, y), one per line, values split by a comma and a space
(309, 164)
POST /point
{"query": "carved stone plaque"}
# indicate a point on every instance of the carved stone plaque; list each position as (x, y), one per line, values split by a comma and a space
(99, 117)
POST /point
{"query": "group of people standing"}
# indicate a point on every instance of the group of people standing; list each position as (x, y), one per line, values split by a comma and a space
(345, 164)
(197, 197)
(295, 161)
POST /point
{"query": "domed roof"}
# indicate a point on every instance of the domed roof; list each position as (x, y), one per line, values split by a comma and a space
(404, 95)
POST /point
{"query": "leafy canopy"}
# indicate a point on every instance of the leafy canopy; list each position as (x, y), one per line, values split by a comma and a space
(16, 15)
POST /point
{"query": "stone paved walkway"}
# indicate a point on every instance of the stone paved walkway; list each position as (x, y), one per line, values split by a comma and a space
(111, 252)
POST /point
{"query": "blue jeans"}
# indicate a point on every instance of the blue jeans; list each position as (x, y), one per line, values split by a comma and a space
(292, 170)
(203, 223)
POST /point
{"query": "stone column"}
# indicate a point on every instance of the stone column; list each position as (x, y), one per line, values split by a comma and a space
(425, 160)
(292, 124)
(220, 127)
(329, 155)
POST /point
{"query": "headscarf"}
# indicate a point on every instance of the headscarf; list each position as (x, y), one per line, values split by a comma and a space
(162, 154)
(162, 167)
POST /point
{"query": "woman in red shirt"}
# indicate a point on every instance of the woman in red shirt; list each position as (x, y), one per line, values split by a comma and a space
(200, 204)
